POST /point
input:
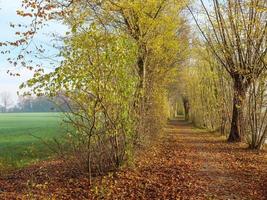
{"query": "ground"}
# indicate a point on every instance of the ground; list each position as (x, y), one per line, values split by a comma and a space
(183, 163)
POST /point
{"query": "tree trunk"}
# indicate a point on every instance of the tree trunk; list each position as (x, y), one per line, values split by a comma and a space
(140, 97)
(237, 124)
(186, 108)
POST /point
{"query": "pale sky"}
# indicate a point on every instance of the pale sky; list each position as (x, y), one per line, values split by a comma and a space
(7, 15)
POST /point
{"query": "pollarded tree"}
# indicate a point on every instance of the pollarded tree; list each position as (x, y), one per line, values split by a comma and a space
(236, 34)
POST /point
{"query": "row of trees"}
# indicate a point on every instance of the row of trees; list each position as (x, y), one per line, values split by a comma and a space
(232, 72)
(125, 63)
(29, 104)
(119, 58)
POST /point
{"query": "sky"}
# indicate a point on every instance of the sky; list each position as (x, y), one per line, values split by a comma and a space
(7, 15)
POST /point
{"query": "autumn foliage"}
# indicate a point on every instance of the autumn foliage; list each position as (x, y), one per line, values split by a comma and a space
(124, 70)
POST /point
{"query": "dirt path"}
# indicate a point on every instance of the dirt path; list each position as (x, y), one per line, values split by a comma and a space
(191, 164)
(184, 163)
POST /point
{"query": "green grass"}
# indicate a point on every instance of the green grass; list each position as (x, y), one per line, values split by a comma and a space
(18, 144)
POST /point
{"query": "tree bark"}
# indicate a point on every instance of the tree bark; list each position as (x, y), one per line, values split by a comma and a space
(186, 108)
(237, 124)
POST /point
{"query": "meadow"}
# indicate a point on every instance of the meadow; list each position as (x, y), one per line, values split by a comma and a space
(24, 137)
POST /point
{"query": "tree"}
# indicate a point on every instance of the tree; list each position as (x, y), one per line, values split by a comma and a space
(256, 134)
(206, 85)
(118, 59)
(38, 104)
(156, 27)
(186, 107)
(236, 35)
(6, 100)
(158, 31)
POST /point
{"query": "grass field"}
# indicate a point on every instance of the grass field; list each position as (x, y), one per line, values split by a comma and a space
(20, 134)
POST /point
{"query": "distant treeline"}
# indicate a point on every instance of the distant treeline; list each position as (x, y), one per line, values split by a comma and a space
(34, 104)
